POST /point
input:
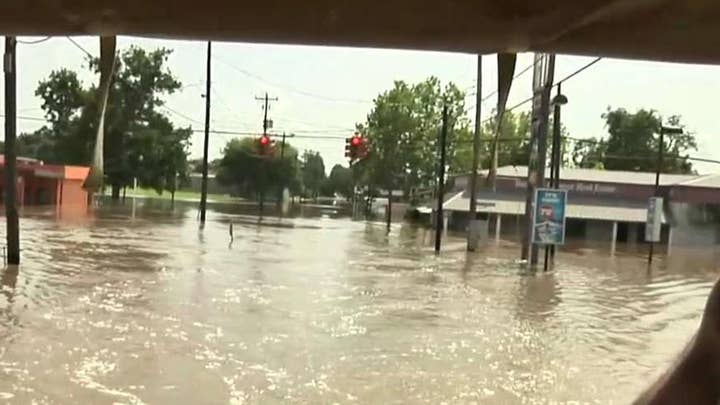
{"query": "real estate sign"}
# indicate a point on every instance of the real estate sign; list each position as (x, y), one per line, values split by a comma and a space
(549, 217)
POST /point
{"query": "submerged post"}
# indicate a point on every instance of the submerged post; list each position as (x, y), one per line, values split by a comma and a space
(441, 182)
(11, 211)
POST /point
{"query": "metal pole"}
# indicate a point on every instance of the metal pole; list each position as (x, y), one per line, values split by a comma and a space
(204, 186)
(441, 182)
(11, 211)
(472, 237)
(658, 167)
(282, 147)
(556, 146)
(265, 120)
(282, 184)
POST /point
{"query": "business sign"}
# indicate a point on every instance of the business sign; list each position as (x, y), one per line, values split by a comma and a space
(654, 219)
(549, 217)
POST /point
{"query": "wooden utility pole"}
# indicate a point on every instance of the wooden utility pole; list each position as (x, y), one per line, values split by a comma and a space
(204, 187)
(542, 83)
(266, 107)
(11, 210)
(266, 126)
(439, 220)
(472, 237)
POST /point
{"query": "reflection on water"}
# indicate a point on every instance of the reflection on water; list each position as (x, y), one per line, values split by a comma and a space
(136, 305)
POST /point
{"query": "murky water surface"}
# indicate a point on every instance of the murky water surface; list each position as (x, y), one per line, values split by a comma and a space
(139, 307)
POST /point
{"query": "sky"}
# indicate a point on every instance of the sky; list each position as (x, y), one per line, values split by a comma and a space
(324, 91)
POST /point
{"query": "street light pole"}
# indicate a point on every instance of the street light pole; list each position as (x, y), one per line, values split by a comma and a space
(556, 156)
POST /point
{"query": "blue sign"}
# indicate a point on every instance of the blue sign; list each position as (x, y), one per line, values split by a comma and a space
(549, 217)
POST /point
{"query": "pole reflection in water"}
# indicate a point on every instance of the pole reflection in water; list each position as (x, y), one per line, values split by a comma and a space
(320, 309)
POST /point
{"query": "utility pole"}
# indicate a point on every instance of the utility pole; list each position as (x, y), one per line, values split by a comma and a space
(542, 83)
(266, 126)
(474, 225)
(658, 168)
(204, 187)
(266, 99)
(282, 184)
(11, 211)
(439, 220)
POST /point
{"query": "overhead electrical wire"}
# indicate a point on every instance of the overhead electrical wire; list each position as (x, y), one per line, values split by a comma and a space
(34, 42)
(80, 47)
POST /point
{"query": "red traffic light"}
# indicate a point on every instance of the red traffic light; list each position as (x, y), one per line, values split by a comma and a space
(356, 141)
(264, 140)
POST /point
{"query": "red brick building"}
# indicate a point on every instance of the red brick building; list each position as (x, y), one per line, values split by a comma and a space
(43, 184)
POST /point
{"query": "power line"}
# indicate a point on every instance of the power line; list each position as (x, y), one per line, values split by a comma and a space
(80, 47)
(529, 99)
(26, 118)
(571, 75)
(290, 88)
(179, 114)
(37, 41)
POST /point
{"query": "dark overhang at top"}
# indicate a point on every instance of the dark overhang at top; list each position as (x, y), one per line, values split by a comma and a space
(668, 30)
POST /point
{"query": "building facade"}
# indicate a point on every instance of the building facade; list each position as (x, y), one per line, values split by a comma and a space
(602, 205)
(46, 185)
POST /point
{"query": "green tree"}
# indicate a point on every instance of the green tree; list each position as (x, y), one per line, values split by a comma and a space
(633, 142)
(313, 173)
(133, 119)
(403, 128)
(255, 175)
(340, 181)
(140, 141)
(589, 153)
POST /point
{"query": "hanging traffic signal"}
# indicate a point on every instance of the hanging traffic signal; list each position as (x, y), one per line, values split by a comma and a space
(355, 147)
(348, 148)
(363, 149)
(265, 144)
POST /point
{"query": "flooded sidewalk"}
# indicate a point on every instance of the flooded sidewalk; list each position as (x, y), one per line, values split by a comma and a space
(143, 308)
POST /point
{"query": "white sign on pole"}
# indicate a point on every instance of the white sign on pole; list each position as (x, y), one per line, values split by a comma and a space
(654, 219)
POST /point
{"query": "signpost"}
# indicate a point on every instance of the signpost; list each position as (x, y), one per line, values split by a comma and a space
(548, 224)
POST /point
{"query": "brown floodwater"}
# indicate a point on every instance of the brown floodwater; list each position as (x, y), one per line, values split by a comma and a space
(136, 305)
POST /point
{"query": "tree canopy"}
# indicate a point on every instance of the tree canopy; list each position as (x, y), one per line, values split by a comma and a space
(254, 174)
(403, 128)
(633, 143)
(313, 173)
(141, 142)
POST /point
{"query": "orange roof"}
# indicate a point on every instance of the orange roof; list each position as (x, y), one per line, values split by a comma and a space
(40, 169)
(76, 172)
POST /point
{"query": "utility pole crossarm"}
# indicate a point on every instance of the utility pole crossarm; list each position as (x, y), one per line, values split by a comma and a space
(266, 106)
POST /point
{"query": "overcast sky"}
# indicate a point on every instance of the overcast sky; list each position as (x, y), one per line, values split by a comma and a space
(324, 91)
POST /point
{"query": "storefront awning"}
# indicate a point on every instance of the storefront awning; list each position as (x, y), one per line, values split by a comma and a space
(618, 213)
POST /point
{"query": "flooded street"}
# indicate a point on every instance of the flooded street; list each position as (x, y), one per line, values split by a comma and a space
(318, 310)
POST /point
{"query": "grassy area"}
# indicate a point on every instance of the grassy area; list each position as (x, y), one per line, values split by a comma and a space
(179, 195)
